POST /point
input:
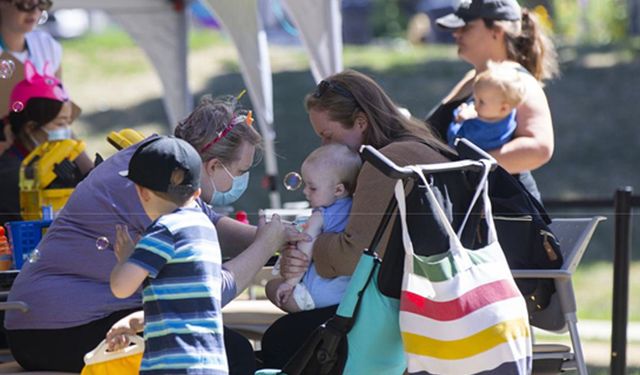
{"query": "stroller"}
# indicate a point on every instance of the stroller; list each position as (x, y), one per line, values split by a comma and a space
(369, 311)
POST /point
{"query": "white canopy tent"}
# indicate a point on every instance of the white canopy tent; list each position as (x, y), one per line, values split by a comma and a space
(160, 27)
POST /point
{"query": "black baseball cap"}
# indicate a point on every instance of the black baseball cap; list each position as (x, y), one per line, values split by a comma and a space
(153, 163)
(469, 10)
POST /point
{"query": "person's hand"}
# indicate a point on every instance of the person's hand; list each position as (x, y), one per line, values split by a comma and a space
(124, 244)
(466, 111)
(118, 336)
(293, 262)
(271, 235)
(283, 294)
(294, 235)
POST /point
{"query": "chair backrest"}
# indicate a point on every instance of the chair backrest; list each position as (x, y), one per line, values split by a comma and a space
(574, 235)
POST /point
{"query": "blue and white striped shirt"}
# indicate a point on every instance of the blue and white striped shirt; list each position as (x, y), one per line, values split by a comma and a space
(181, 297)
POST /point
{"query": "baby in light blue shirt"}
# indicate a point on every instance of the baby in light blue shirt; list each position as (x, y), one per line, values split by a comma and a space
(329, 174)
(488, 119)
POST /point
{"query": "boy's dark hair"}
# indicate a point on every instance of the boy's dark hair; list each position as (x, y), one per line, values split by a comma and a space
(179, 196)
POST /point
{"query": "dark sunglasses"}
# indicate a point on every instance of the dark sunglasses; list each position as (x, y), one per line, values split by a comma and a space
(324, 86)
(30, 6)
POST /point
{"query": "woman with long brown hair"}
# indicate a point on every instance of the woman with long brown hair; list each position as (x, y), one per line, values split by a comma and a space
(352, 109)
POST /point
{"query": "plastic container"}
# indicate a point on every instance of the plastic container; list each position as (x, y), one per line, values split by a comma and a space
(24, 236)
(5, 251)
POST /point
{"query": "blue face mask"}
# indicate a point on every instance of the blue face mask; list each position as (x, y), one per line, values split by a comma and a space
(59, 134)
(238, 187)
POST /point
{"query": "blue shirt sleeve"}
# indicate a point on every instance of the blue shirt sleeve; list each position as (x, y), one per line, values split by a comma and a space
(207, 210)
(153, 250)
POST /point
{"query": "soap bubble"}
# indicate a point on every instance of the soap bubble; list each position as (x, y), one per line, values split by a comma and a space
(44, 16)
(102, 243)
(292, 181)
(7, 67)
(17, 106)
(34, 256)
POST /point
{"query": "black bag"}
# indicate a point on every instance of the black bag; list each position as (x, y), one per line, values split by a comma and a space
(523, 231)
(325, 352)
(521, 222)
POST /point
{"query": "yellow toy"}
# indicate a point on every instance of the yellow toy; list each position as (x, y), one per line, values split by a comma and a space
(124, 138)
(46, 174)
(38, 172)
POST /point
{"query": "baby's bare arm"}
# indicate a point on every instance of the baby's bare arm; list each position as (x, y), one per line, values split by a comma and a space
(313, 229)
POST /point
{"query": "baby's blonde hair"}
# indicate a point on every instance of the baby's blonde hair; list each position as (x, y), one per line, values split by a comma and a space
(505, 78)
(338, 159)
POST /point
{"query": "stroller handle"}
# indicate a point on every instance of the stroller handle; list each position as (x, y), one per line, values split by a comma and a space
(391, 169)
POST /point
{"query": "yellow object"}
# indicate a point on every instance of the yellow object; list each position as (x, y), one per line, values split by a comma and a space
(124, 138)
(37, 173)
(543, 17)
(122, 362)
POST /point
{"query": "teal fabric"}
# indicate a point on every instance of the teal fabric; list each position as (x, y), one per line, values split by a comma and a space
(358, 280)
(375, 344)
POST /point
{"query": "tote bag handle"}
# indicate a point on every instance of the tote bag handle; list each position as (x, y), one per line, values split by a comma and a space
(455, 245)
(100, 353)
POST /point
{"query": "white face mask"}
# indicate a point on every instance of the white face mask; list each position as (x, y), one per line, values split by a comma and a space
(59, 134)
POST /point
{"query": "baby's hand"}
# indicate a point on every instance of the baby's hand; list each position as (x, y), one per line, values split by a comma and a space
(466, 111)
(283, 294)
(124, 244)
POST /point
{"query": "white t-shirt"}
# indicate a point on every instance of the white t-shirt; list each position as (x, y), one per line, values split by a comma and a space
(42, 48)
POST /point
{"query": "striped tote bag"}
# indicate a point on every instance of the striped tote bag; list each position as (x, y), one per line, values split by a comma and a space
(461, 311)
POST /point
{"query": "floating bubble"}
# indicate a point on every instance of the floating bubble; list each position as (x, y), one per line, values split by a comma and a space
(17, 106)
(292, 181)
(102, 243)
(7, 67)
(34, 256)
(44, 16)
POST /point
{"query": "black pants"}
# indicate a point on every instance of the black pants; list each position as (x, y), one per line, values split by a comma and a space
(281, 341)
(64, 349)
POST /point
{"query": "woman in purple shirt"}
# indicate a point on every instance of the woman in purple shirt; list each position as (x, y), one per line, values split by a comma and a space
(71, 307)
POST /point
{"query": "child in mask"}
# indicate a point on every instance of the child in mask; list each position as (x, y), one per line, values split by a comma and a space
(489, 119)
(329, 174)
(39, 111)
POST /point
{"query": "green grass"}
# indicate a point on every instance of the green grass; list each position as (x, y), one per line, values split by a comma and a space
(395, 55)
(113, 53)
(593, 283)
(202, 38)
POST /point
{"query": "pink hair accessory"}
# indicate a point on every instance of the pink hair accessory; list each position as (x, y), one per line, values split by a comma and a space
(235, 120)
(35, 85)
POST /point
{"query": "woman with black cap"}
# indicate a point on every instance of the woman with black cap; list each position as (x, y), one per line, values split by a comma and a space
(500, 30)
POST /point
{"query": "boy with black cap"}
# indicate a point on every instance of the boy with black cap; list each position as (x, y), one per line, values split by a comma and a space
(177, 261)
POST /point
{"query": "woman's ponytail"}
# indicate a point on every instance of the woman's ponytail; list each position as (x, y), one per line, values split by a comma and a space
(530, 46)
